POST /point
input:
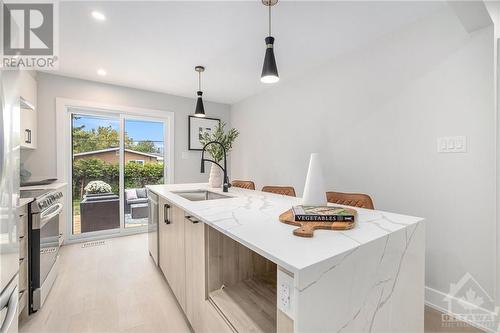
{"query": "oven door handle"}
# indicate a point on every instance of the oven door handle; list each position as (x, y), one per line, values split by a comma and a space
(47, 217)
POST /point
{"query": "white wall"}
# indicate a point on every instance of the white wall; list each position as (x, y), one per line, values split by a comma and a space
(374, 115)
(494, 11)
(42, 161)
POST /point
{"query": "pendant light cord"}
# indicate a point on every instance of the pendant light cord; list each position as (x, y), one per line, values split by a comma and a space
(199, 81)
(269, 17)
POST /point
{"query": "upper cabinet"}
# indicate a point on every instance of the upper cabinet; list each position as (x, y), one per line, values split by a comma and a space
(28, 111)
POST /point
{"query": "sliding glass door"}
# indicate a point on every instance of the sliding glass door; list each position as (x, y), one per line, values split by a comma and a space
(95, 173)
(114, 157)
(143, 162)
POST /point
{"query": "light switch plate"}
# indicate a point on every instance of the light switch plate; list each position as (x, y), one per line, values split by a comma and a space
(452, 144)
(185, 155)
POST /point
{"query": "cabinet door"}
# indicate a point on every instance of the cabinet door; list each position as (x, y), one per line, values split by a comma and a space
(28, 128)
(177, 257)
(162, 230)
(195, 266)
(28, 91)
(172, 254)
(62, 218)
(28, 88)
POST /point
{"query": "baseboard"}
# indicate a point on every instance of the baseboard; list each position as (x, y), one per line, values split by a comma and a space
(440, 301)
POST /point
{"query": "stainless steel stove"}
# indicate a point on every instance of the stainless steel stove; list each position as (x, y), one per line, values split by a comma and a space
(44, 243)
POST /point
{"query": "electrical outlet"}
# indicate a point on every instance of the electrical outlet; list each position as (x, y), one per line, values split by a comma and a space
(452, 144)
(284, 295)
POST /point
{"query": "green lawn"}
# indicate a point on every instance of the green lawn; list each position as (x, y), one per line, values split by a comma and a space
(76, 206)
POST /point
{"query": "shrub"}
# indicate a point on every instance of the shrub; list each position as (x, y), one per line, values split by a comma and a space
(92, 169)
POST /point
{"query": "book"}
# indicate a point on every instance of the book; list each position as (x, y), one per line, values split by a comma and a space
(322, 214)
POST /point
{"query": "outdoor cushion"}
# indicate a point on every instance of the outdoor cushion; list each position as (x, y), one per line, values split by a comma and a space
(141, 193)
(109, 196)
(131, 194)
(137, 201)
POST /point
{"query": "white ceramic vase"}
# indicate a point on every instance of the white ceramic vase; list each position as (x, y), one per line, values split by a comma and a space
(215, 180)
(314, 189)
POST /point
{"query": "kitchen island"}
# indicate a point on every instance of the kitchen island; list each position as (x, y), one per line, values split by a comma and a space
(231, 263)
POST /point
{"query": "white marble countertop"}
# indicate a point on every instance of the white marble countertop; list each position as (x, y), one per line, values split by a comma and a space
(52, 186)
(251, 218)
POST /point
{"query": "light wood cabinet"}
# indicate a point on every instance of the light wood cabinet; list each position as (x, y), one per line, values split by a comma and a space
(195, 271)
(172, 250)
(28, 102)
(183, 259)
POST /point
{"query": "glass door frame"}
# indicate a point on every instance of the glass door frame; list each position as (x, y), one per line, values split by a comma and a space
(64, 111)
(124, 118)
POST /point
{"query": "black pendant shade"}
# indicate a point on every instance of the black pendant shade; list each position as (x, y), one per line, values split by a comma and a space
(200, 110)
(269, 69)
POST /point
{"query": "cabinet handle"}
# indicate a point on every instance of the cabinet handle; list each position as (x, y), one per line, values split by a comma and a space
(190, 218)
(166, 212)
(28, 138)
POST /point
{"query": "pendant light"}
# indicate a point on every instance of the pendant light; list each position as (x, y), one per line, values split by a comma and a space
(269, 69)
(200, 110)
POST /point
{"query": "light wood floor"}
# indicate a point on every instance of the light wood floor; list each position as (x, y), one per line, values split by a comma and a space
(110, 288)
(116, 288)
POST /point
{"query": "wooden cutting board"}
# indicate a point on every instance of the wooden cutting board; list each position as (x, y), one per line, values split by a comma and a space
(307, 228)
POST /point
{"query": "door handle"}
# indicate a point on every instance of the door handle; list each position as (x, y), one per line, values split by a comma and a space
(166, 213)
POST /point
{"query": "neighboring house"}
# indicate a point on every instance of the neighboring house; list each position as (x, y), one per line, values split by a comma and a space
(111, 155)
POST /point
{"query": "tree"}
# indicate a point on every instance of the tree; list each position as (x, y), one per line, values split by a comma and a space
(146, 146)
(85, 170)
(102, 137)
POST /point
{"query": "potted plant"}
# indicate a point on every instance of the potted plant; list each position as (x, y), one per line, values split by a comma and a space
(97, 187)
(227, 140)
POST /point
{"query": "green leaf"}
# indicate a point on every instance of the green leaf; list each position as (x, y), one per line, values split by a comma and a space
(226, 139)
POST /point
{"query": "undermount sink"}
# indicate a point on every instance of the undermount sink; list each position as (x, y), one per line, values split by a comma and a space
(200, 195)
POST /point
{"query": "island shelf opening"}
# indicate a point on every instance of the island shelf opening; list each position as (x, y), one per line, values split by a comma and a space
(241, 284)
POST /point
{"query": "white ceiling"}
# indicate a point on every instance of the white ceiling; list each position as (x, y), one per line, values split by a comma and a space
(155, 45)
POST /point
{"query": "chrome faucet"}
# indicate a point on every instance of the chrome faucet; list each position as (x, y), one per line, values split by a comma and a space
(226, 184)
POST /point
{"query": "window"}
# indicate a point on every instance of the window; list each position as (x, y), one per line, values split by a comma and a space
(141, 162)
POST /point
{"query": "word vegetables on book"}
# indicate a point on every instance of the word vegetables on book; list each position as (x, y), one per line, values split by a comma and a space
(322, 213)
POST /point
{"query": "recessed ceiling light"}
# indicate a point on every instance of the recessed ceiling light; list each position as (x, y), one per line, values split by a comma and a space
(101, 72)
(98, 16)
